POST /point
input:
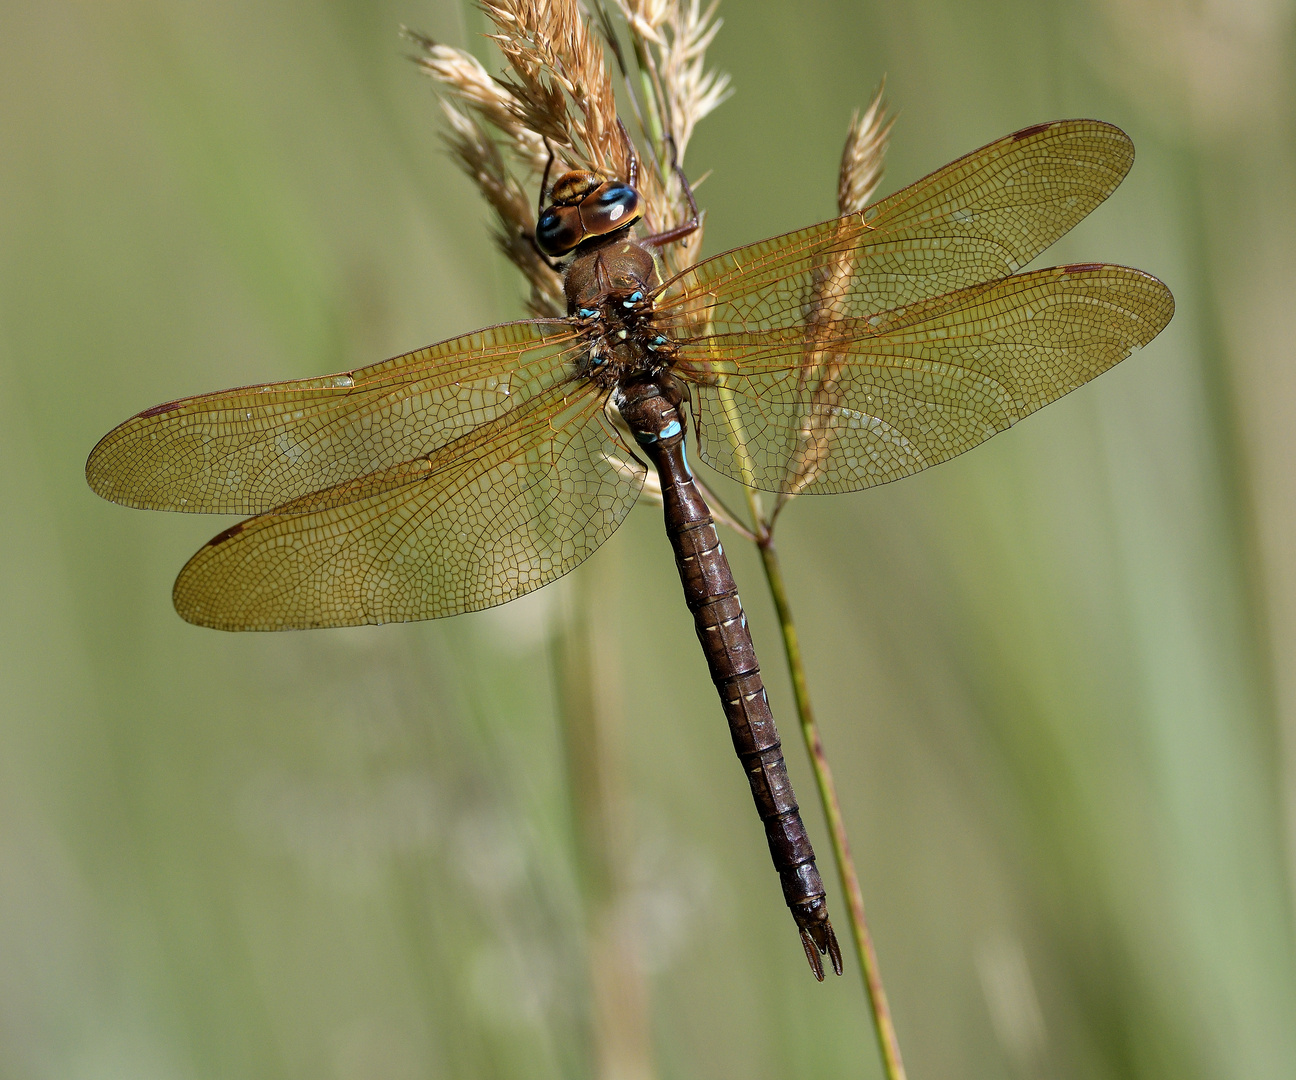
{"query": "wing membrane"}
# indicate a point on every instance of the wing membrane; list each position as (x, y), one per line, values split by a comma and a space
(507, 507)
(869, 400)
(248, 450)
(983, 216)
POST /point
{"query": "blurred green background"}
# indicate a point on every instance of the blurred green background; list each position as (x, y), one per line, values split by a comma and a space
(1055, 676)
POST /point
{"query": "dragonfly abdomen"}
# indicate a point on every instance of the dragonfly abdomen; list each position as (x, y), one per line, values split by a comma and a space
(727, 644)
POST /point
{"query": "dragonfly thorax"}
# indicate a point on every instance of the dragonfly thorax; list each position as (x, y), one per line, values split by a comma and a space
(623, 340)
(611, 290)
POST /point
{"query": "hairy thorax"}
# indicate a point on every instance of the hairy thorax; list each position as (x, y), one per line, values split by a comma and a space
(609, 290)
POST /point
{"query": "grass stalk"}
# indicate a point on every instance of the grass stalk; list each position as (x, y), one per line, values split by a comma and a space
(882, 1024)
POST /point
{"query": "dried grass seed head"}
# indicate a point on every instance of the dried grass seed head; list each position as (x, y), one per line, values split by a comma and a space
(862, 158)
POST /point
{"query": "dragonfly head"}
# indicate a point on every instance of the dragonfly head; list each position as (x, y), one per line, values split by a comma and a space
(584, 206)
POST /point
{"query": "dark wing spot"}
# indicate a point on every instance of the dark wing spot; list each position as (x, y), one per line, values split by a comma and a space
(1035, 129)
(228, 534)
(158, 410)
(1081, 268)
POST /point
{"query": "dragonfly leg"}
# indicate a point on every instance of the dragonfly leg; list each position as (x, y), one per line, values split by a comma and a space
(544, 180)
(544, 183)
(687, 228)
(632, 170)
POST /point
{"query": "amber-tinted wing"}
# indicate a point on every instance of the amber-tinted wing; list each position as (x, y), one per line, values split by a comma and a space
(789, 339)
(503, 509)
(983, 216)
(248, 450)
(878, 398)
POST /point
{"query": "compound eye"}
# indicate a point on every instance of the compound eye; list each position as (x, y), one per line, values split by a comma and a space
(613, 206)
(559, 230)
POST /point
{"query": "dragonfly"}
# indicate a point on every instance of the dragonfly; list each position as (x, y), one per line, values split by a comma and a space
(835, 358)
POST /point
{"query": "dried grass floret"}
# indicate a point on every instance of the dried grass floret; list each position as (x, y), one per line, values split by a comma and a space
(692, 92)
(479, 156)
(558, 82)
(862, 158)
(467, 82)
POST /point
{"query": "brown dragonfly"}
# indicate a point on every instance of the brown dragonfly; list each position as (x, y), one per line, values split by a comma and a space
(468, 473)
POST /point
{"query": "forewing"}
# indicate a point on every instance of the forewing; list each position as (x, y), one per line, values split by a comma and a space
(250, 449)
(502, 510)
(869, 400)
(981, 217)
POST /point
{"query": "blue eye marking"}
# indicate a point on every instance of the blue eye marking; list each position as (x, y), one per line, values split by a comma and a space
(615, 193)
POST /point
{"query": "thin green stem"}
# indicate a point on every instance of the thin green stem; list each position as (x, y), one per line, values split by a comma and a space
(764, 529)
(885, 1029)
